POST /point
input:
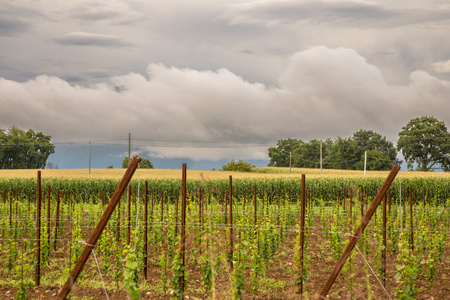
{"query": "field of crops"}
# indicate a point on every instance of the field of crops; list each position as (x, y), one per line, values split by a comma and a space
(259, 259)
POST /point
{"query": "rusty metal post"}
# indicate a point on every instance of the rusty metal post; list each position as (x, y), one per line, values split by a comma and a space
(38, 230)
(99, 229)
(383, 254)
(302, 231)
(129, 214)
(145, 228)
(176, 211)
(183, 226)
(358, 233)
(411, 218)
(119, 223)
(231, 222)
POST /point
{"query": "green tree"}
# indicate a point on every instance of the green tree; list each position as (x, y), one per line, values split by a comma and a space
(240, 166)
(381, 153)
(343, 154)
(376, 161)
(425, 141)
(280, 155)
(307, 154)
(144, 164)
(21, 149)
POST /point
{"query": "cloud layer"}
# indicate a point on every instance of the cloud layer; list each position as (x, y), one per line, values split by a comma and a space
(215, 114)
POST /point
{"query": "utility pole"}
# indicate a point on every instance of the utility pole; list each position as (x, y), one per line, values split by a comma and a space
(89, 158)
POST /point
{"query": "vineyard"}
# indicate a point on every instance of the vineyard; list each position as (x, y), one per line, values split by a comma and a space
(243, 238)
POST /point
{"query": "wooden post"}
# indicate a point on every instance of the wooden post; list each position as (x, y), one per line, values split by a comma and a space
(145, 228)
(119, 221)
(254, 203)
(231, 221)
(383, 254)
(302, 232)
(359, 231)
(183, 226)
(129, 214)
(176, 211)
(38, 230)
(161, 196)
(99, 229)
(411, 217)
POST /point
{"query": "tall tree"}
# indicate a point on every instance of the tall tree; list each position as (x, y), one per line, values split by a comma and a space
(144, 164)
(425, 141)
(343, 154)
(280, 155)
(21, 149)
(307, 154)
(381, 153)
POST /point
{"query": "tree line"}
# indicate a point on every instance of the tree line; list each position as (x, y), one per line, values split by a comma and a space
(424, 142)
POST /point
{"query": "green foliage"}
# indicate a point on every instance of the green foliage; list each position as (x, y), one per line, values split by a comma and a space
(425, 141)
(21, 291)
(144, 164)
(239, 260)
(239, 166)
(279, 155)
(408, 270)
(131, 274)
(178, 273)
(341, 153)
(21, 149)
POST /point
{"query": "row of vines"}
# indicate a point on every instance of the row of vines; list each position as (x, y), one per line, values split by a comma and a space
(265, 237)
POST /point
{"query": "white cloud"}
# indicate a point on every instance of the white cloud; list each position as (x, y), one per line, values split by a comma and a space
(182, 112)
(442, 66)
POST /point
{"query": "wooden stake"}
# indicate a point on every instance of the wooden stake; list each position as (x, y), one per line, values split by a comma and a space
(99, 229)
(38, 230)
(358, 233)
(231, 222)
(183, 226)
(145, 228)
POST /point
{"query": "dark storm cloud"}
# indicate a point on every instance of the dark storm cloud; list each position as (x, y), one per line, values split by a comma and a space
(10, 25)
(90, 39)
(337, 13)
(174, 112)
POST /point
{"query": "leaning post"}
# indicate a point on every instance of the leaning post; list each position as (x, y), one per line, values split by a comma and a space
(99, 228)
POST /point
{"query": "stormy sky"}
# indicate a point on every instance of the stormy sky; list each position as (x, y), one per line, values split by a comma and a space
(215, 80)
